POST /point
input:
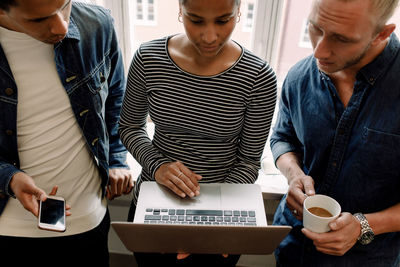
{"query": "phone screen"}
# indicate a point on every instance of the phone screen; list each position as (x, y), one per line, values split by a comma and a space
(52, 212)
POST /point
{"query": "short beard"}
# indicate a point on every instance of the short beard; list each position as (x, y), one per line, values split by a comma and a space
(355, 60)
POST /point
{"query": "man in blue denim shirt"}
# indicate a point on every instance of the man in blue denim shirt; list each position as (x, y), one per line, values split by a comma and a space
(62, 70)
(338, 133)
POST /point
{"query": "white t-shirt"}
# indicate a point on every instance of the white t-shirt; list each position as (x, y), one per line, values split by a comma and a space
(51, 145)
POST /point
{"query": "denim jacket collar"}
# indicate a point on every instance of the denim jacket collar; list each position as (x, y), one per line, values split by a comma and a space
(73, 32)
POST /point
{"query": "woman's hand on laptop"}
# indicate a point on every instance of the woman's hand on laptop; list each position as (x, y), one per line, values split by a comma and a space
(177, 177)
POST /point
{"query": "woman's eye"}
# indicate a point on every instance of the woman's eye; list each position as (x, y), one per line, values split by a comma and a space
(196, 21)
(222, 21)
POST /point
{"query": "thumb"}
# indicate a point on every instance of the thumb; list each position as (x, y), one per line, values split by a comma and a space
(337, 224)
(38, 193)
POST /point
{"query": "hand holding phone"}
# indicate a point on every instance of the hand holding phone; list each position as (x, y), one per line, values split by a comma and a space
(52, 214)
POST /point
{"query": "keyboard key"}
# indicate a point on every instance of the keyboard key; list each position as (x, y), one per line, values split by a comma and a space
(181, 212)
(211, 219)
(243, 213)
(152, 217)
(227, 213)
(242, 219)
(196, 218)
(173, 218)
(165, 217)
(236, 213)
(227, 219)
(171, 212)
(220, 219)
(252, 213)
(181, 218)
(251, 219)
(189, 218)
(164, 210)
(149, 210)
(235, 219)
(204, 218)
(204, 212)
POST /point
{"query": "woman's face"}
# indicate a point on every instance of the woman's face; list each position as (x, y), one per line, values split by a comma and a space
(209, 24)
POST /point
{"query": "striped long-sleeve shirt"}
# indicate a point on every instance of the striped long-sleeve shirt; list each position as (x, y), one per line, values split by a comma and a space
(216, 125)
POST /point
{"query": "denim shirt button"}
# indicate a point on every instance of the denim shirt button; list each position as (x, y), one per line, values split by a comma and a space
(9, 132)
(102, 78)
(9, 91)
(334, 164)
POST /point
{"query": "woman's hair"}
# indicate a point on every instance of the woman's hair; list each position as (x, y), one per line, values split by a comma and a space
(5, 4)
(182, 2)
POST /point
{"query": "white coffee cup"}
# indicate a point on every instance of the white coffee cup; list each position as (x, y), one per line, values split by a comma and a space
(315, 223)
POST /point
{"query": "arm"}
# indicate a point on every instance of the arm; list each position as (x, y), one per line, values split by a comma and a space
(286, 150)
(173, 175)
(120, 178)
(132, 125)
(256, 126)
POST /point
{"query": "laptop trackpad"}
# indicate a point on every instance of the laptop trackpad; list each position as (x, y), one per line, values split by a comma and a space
(210, 197)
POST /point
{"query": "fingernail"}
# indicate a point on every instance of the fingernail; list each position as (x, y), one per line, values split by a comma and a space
(197, 192)
(183, 195)
(191, 194)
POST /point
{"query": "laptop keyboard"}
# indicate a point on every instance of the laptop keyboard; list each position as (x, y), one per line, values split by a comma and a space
(200, 217)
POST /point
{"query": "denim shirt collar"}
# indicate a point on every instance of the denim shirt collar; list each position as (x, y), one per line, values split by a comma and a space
(372, 71)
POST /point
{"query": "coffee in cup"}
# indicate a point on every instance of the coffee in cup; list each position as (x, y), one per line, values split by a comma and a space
(318, 212)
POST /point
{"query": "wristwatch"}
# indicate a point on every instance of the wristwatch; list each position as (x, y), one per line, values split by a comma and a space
(367, 235)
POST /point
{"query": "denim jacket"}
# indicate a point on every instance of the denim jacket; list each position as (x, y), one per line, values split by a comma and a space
(352, 152)
(89, 64)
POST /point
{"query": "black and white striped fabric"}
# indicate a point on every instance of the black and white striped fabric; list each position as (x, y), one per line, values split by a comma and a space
(216, 125)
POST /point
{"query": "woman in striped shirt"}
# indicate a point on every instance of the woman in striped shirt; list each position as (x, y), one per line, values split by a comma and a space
(210, 99)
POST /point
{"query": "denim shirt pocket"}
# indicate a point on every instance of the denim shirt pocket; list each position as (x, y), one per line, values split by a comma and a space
(381, 150)
(376, 168)
(98, 86)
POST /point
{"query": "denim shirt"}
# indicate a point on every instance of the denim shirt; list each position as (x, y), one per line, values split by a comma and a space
(352, 153)
(90, 67)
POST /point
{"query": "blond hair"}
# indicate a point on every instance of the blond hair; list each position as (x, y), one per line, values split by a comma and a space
(385, 10)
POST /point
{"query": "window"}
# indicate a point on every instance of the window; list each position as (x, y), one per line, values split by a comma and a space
(248, 15)
(305, 41)
(145, 12)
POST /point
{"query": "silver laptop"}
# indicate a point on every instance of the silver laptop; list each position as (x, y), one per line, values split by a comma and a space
(224, 218)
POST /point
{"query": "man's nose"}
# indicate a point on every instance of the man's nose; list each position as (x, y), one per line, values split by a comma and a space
(322, 49)
(59, 26)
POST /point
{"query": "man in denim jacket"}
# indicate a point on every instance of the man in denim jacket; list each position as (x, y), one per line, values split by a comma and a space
(338, 134)
(61, 89)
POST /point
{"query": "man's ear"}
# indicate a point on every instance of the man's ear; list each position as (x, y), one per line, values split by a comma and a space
(386, 31)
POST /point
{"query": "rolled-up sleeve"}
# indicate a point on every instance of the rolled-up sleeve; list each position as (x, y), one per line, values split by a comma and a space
(284, 138)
